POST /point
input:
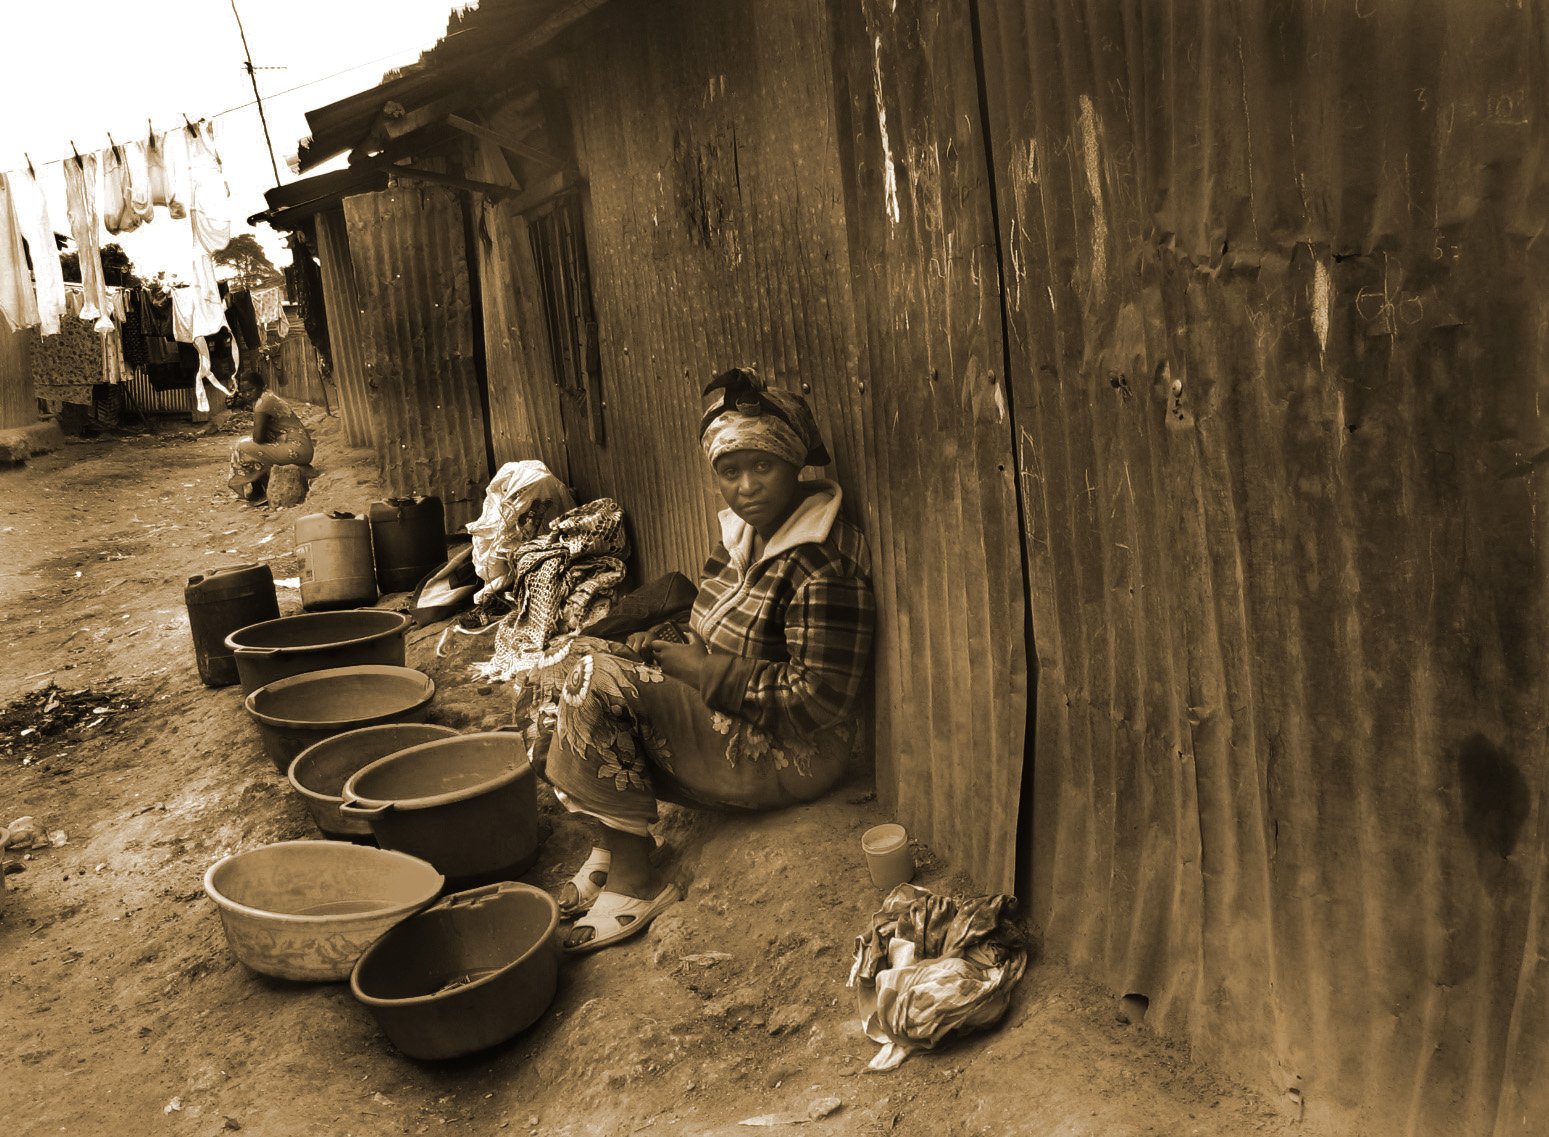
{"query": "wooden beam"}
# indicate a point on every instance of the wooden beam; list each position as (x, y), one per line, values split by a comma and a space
(506, 142)
(410, 174)
(541, 193)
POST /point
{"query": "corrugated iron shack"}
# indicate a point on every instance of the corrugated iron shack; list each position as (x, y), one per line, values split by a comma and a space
(1183, 361)
(18, 406)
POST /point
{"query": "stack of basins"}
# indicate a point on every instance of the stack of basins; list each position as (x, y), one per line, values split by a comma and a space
(341, 715)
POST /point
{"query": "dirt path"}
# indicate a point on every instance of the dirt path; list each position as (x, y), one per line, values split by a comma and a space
(125, 1013)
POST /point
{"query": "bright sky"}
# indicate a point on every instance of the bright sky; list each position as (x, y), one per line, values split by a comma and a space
(80, 70)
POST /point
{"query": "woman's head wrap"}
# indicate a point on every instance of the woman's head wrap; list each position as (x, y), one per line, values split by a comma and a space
(751, 416)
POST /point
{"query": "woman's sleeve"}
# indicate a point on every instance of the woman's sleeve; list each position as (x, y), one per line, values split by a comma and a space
(829, 625)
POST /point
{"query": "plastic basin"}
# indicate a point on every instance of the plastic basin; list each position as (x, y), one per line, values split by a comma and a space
(299, 710)
(469, 972)
(316, 641)
(468, 805)
(319, 772)
(307, 909)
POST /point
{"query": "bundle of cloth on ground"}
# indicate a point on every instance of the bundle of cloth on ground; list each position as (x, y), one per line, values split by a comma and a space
(557, 583)
(520, 501)
(930, 966)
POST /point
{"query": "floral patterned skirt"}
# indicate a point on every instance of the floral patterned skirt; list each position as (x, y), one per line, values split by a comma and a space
(614, 735)
(251, 460)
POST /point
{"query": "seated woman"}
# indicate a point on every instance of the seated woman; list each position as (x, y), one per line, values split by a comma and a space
(755, 706)
(279, 439)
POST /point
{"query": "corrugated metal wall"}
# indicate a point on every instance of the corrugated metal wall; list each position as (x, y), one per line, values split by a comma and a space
(933, 404)
(524, 416)
(417, 337)
(293, 371)
(1278, 320)
(149, 400)
(713, 142)
(18, 406)
(341, 302)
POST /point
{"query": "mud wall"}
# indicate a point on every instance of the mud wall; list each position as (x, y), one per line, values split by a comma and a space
(1277, 322)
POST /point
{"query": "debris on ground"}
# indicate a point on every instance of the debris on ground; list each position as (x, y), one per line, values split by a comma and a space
(53, 714)
(25, 833)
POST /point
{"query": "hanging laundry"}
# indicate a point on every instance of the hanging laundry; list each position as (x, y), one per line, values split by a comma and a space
(18, 301)
(81, 201)
(112, 357)
(268, 306)
(132, 331)
(48, 280)
(65, 366)
(126, 201)
(304, 283)
(139, 181)
(166, 162)
(209, 197)
(242, 319)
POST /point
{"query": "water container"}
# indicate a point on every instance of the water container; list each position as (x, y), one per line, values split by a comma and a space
(335, 554)
(218, 604)
(408, 540)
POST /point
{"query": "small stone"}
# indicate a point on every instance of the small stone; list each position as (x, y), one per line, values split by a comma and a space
(789, 1019)
(824, 1107)
(287, 486)
(230, 1123)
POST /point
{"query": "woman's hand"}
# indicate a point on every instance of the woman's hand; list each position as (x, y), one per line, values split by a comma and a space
(640, 644)
(684, 662)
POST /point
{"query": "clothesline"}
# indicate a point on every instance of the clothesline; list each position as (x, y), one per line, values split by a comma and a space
(217, 114)
(75, 155)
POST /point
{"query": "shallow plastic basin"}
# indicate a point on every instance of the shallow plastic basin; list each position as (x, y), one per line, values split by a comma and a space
(316, 641)
(299, 710)
(467, 973)
(319, 772)
(307, 909)
(468, 805)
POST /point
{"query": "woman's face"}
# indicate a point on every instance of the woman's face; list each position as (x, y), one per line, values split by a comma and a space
(758, 487)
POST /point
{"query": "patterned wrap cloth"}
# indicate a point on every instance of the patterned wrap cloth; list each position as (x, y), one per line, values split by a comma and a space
(560, 582)
(932, 965)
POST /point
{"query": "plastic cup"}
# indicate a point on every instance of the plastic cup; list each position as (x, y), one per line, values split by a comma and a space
(887, 855)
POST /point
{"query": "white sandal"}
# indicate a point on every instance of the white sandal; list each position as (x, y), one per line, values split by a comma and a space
(586, 889)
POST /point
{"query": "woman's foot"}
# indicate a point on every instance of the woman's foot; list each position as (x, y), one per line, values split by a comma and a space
(577, 894)
(629, 878)
(615, 917)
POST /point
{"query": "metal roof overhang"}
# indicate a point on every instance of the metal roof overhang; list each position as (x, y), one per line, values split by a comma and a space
(497, 32)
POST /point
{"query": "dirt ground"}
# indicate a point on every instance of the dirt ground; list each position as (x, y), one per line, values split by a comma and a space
(125, 1012)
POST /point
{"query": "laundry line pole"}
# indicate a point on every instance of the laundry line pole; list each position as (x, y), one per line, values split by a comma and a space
(252, 74)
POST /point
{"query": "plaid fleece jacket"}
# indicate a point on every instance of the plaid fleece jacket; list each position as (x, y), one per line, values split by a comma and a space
(789, 635)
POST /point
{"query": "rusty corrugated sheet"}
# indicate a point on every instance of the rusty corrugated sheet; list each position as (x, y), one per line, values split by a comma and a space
(715, 153)
(145, 397)
(18, 406)
(411, 266)
(922, 236)
(341, 302)
(524, 416)
(292, 370)
(1277, 314)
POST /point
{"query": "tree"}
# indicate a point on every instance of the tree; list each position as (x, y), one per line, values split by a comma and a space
(117, 268)
(250, 264)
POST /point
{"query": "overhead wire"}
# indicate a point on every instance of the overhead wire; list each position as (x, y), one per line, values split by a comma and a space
(33, 162)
